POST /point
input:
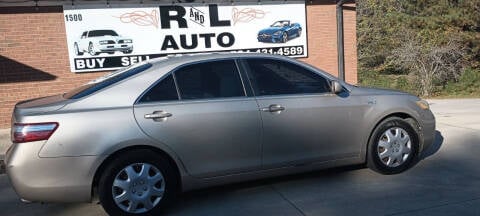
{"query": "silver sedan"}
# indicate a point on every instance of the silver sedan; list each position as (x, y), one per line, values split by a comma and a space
(139, 136)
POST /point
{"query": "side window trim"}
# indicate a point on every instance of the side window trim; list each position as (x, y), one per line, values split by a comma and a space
(243, 70)
(176, 85)
(248, 71)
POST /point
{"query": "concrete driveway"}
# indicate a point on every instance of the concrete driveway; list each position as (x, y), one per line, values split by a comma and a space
(445, 182)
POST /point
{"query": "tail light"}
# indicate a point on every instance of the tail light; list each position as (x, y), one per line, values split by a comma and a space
(32, 132)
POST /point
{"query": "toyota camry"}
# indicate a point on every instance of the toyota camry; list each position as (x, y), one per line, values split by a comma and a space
(139, 136)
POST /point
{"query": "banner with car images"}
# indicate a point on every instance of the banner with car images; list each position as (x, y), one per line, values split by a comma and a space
(106, 38)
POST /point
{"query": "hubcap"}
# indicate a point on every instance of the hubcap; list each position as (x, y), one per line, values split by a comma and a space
(90, 50)
(138, 188)
(394, 147)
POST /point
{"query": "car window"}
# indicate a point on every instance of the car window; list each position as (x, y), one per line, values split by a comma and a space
(275, 77)
(218, 79)
(163, 91)
(105, 81)
(99, 33)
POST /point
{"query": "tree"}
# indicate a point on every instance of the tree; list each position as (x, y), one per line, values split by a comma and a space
(429, 63)
(394, 34)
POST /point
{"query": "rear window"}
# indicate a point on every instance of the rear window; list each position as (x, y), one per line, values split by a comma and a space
(105, 81)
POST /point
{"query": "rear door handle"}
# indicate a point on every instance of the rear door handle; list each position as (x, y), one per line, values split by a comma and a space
(273, 108)
(158, 115)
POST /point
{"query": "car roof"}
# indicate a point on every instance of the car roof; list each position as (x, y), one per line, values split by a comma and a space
(187, 58)
(174, 61)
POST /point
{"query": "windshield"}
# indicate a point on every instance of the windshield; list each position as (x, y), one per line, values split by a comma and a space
(280, 24)
(105, 81)
(99, 33)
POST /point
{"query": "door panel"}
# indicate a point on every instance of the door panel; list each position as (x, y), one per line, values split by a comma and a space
(302, 121)
(211, 138)
(309, 129)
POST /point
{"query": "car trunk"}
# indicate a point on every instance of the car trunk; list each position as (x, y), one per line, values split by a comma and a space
(40, 105)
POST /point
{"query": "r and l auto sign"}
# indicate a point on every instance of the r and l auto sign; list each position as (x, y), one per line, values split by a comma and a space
(115, 37)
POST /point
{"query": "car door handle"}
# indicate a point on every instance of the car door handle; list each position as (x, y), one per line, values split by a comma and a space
(273, 108)
(157, 115)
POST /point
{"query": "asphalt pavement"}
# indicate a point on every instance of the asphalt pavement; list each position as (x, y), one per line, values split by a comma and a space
(445, 182)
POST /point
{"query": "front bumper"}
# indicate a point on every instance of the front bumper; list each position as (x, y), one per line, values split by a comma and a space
(115, 47)
(427, 130)
(60, 179)
(269, 38)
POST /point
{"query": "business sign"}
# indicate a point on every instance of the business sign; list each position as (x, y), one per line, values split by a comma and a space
(113, 37)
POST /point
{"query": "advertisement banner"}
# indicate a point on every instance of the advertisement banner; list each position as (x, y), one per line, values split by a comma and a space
(106, 38)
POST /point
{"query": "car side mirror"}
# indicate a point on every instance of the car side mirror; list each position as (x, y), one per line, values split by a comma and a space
(336, 87)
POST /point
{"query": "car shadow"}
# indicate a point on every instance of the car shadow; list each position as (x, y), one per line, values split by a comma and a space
(434, 148)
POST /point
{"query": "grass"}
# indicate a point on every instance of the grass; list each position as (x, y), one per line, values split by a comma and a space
(467, 86)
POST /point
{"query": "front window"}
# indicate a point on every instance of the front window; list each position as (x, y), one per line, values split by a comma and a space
(280, 24)
(275, 77)
(99, 33)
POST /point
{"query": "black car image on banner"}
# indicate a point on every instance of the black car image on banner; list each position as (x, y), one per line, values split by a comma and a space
(115, 37)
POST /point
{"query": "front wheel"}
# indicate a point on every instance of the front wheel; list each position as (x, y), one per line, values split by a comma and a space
(128, 51)
(284, 37)
(91, 50)
(393, 147)
(139, 182)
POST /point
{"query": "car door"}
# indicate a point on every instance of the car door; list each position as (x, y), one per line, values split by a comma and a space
(211, 124)
(303, 122)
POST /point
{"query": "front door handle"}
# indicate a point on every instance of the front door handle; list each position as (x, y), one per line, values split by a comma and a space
(158, 115)
(273, 108)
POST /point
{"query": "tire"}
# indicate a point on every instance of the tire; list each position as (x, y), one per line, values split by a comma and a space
(91, 50)
(140, 188)
(127, 51)
(284, 37)
(299, 33)
(77, 50)
(393, 146)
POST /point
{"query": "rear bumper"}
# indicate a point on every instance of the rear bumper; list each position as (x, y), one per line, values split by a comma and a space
(62, 179)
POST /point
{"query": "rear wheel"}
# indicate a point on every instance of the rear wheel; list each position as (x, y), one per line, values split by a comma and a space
(393, 146)
(139, 182)
(77, 50)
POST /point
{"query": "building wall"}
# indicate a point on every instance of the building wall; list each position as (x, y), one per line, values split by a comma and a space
(34, 56)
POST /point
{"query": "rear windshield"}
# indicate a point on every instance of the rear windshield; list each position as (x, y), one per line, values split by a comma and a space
(105, 81)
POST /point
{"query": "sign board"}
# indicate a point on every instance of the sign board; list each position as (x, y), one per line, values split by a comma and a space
(113, 37)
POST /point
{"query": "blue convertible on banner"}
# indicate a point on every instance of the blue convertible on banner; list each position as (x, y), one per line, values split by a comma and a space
(280, 32)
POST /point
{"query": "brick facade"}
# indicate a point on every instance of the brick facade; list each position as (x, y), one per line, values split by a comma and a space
(34, 56)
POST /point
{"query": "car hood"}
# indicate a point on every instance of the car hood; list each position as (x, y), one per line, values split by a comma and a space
(40, 105)
(376, 91)
(270, 30)
(109, 37)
